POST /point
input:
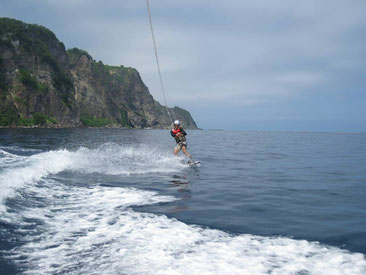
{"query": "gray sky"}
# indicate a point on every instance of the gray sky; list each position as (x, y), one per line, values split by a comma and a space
(251, 65)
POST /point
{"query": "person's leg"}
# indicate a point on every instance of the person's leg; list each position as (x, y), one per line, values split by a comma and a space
(176, 149)
(184, 149)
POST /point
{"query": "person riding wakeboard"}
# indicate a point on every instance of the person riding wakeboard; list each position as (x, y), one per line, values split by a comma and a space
(180, 137)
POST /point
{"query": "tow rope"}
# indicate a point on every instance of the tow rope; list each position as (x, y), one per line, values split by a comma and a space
(157, 59)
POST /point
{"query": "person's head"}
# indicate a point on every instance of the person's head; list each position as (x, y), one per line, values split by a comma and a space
(176, 123)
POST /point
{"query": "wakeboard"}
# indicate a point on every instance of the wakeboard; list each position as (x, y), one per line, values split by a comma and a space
(195, 163)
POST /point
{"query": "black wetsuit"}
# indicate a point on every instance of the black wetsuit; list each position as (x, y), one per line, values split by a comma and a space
(180, 139)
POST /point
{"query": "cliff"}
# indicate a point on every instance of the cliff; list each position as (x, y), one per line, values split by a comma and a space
(42, 84)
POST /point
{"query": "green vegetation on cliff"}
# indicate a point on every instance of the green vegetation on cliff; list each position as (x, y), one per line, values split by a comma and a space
(3, 86)
(9, 117)
(9, 25)
(35, 40)
(30, 81)
(95, 121)
(75, 53)
(124, 118)
(41, 82)
(111, 76)
(38, 118)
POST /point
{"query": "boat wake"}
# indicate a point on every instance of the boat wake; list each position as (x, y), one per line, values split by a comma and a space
(94, 229)
(112, 159)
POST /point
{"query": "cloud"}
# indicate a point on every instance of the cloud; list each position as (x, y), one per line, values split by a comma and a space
(233, 54)
(299, 78)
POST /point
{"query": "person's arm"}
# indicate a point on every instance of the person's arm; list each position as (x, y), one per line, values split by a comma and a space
(183, 132)
(173, 135)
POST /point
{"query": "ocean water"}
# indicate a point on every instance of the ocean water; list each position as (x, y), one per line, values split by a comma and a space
(111, 201)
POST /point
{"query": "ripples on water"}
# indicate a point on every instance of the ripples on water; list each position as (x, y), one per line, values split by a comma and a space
(117, 202)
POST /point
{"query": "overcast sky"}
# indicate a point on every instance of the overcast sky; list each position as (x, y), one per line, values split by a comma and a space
(234, 64)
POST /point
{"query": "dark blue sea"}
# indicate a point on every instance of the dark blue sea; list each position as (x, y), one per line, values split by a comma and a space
(112, 201)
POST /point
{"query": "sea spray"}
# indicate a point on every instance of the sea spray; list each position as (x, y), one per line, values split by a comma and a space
(109, 158)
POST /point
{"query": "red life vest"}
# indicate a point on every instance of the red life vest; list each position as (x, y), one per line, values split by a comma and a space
(176, 131)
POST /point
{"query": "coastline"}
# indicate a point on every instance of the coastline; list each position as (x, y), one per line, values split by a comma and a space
(88, 127)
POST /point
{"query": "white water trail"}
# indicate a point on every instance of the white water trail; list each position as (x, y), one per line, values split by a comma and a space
(31, 170)
(80, 230)
(110, 158)
(94, 231)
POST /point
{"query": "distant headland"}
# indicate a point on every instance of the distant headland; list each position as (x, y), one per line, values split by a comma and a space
(44, 85)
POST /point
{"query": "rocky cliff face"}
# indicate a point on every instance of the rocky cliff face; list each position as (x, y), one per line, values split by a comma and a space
(43, 84)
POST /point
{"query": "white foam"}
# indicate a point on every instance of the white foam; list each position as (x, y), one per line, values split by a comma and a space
(31, 169)
(92, 231)
(5, 153)
(113, 159)
(8, 159)
(109, 158)
(19, 149)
